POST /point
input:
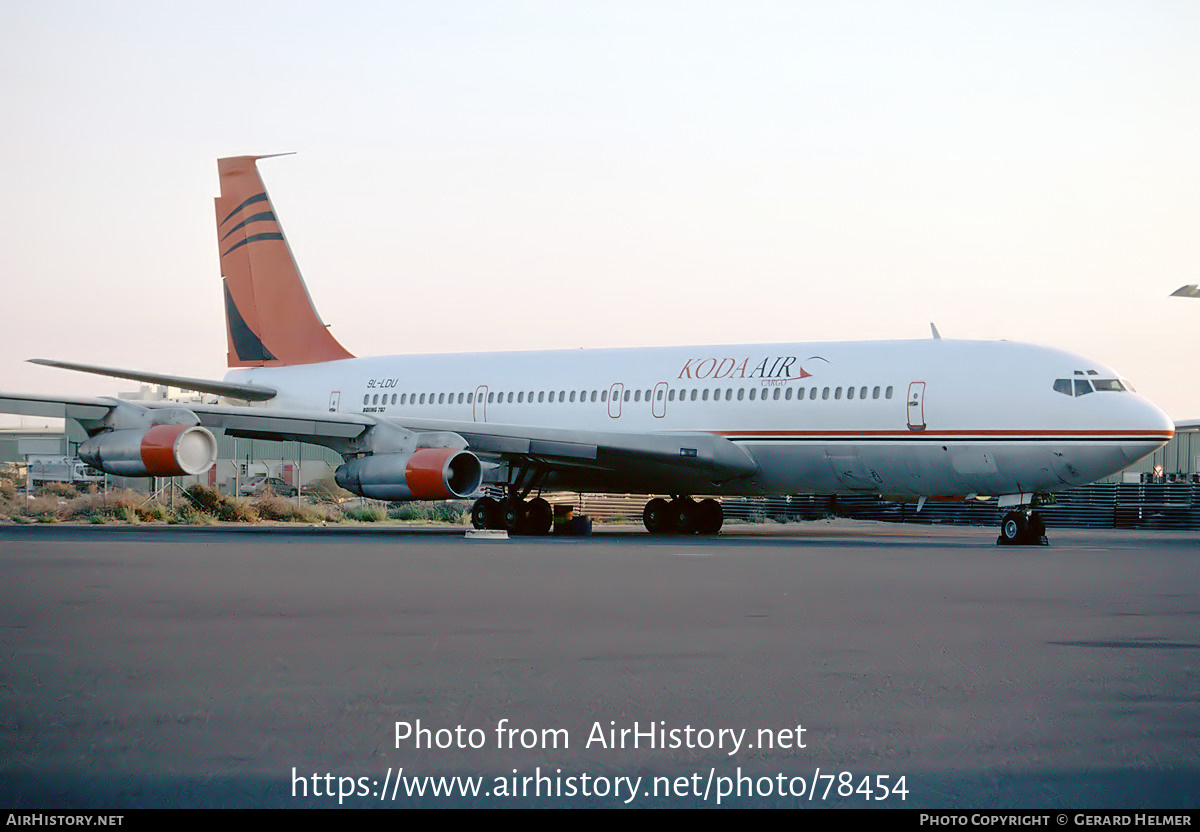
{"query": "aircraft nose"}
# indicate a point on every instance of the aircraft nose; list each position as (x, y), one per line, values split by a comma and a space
(1152, 429)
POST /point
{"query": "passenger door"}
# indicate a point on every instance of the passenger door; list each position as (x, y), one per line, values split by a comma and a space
(479, 404)
(614, 400)
(658, 405)
(916, 406)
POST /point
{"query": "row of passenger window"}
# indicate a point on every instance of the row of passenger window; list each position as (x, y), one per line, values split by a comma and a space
(691, 394)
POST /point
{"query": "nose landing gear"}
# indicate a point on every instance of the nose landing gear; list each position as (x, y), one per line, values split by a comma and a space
(1023, 527)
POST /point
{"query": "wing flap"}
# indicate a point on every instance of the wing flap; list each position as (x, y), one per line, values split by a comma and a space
(281, 424)
(719, 458)
(570, 450)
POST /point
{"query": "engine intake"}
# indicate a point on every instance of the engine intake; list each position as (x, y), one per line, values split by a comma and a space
(425, 474)
(157, 451)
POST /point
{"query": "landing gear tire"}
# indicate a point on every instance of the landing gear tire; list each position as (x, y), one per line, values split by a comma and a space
(539, 517)
(1037, 530)
(657, 516)
(511, 516)
(684, 514)
(1022, 529)
(1013, 529)
(709, 517)
(484, 513)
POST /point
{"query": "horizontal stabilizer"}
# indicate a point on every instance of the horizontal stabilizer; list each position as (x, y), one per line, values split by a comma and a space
(1189, 291)
(245, 392)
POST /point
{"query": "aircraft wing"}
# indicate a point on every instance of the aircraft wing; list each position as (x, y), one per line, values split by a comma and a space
(271, 424)
(330, 429)
(246, 392)
(80, 408)
(704, 456)
(708, 456)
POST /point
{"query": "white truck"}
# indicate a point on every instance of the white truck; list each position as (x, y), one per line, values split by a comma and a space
(47, 468)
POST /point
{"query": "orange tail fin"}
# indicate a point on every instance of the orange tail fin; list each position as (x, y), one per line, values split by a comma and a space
(269, 317)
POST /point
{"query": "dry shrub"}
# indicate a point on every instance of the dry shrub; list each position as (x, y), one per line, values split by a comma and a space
(207, 499)
(237, 511)
(85, 507)
(449, 513)
(128, 514)
(326, 514)
(214, 503)
(118, 504)
(326, 490)
(429, 512)
(408, 511)
(58, 489)
(367, 514)
(151, 512)
(195, 517)
(43, 508)
(271, 507)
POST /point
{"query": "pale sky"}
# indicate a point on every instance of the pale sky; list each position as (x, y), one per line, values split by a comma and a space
(522, 175)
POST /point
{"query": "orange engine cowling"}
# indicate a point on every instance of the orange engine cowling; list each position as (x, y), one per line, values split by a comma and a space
(425, 474)
(157, 451)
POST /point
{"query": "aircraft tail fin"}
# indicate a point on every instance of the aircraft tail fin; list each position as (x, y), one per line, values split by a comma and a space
(269, 317)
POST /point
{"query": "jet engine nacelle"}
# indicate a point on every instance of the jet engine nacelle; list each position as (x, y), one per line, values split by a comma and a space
(157, 451)
(425, 474)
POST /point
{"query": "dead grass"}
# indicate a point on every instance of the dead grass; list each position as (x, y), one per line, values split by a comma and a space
(63, 503)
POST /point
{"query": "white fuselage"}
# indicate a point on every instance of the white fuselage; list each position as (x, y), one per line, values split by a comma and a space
(915, 418)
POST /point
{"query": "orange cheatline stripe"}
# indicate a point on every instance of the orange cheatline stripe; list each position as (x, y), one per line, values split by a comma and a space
(1153, 434)
(953, 432)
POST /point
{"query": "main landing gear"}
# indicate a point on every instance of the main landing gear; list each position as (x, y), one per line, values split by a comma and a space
(1022, 527)
(683, 515)
(513, 515)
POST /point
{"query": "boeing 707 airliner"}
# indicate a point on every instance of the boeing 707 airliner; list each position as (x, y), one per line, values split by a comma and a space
(930, 419)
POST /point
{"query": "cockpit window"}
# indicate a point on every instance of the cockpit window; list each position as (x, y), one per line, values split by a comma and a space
(1083, 386)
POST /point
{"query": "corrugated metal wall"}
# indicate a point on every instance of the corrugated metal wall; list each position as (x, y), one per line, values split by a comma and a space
(1179, 458)
(1101, 505)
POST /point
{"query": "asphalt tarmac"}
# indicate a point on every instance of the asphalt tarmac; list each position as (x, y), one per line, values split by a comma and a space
(820, 664)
